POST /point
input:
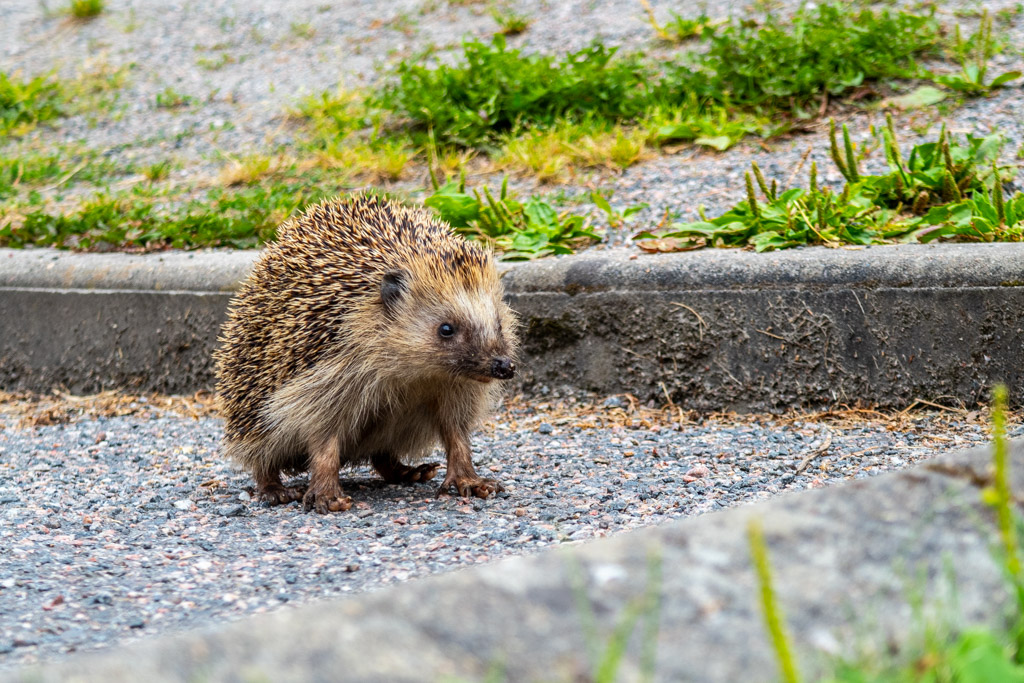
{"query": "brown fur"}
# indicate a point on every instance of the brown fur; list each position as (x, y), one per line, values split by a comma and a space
(331, 354)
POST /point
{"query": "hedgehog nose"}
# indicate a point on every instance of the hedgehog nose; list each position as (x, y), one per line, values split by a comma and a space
(503, 368)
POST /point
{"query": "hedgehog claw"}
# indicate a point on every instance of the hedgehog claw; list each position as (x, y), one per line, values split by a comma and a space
(279, 494)
(397, 473)
(470, 487)
(324, 504)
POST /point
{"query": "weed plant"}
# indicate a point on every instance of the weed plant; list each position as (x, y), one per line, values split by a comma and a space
(170, 98)
(26, 103)
(973, 55)
(679, 29)
(949, 189)
(521, 230)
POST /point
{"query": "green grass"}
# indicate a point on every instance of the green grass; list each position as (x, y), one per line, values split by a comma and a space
(31, 170)
(145, 218)
(949, 189)
(215, 63)
(26, 103)
(552, 115)
(303, 29)
(607, 655)
(790, 64)
(784, 65)
(495, 89)
(769, 604)
(679, 29)
(260, 193)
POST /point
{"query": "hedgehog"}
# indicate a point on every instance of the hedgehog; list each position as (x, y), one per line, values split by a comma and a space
(368, 332)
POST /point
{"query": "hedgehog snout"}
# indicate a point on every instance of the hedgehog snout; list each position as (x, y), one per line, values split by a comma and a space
(503, 368)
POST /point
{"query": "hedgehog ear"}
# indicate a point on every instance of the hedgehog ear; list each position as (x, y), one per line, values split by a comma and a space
(392, 288)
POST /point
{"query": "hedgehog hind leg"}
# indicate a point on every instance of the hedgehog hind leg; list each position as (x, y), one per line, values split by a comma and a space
(271, 490)
(324, 493)
(394, 471)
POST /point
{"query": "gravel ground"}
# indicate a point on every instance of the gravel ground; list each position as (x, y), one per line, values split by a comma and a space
(272, 59)
(120, 524)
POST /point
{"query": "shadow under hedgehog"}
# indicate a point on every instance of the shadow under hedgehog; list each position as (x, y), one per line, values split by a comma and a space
(367, 332)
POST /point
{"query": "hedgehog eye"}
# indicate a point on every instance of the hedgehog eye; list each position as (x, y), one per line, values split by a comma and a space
(446, 330)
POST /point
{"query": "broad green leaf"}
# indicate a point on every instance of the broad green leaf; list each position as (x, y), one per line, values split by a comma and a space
(924, 96)
(539, 213)
(719, 142)
(980, 658)
(1002, 79)
(601, 202)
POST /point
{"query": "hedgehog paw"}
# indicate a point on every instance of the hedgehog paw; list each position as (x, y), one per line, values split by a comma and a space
(470, 486)
(278, 494)
(323, 504)
(412, 475)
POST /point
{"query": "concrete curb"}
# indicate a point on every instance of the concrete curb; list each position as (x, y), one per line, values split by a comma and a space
(844, 563)
(711, 329)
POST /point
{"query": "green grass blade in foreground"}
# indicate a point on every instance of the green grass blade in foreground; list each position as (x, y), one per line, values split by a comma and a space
(769, 606)
(607, 659)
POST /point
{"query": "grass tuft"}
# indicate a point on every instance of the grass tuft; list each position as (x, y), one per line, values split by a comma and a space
(24, 104)
(510, 23)
(679, 29)
(170, 98)
(85, 10)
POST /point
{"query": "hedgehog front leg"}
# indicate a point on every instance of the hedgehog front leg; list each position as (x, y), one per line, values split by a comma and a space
(324, 494)
(460, 475)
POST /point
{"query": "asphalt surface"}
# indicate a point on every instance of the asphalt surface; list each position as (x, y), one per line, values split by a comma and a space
(120, 526)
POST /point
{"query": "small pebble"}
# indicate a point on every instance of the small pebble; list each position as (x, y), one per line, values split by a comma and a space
(232, 510)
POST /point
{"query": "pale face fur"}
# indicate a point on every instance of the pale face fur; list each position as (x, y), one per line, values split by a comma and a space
(465, 336)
